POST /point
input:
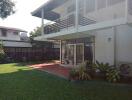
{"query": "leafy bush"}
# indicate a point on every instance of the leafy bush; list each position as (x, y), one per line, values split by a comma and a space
(2, 57)
(2, 54)
(113, 74)
(108, 72)
(102, 67)
(83, 74)
(73, 74)
(80, 73)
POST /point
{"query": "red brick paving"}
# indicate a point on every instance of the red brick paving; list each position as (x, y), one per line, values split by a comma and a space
(53, 68)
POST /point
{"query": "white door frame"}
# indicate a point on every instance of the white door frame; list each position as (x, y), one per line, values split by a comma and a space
(75, 59)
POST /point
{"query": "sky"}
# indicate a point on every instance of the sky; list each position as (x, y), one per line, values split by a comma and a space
(22, 18)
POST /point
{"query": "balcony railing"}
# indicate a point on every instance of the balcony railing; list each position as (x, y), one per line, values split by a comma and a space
(66, 23)
(99, 12)
(60, 24)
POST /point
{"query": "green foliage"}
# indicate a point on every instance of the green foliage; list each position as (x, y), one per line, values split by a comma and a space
(36, 32)
(73, 74)
(2, 54)
(113, 74)
(89, 65)
(80, 73)
(6, 8)
(2, 57)
(1, 48)
(102, 67)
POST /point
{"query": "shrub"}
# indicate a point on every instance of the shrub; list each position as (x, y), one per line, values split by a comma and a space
(107, 72)
(83, 74)
(73, 74)
(102, 67)
(2, 54)
(113, 74)
(80, 73)
(2, 57)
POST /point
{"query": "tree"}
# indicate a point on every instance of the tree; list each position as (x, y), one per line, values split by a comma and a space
(1, 47)
(36, 32)
(2, 53)
(6, 8)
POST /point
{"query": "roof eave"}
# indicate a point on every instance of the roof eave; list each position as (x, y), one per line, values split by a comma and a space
(39, 8)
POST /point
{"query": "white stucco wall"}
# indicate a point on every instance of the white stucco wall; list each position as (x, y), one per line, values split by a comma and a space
(124, 43)
(10, 36)
(104, 44)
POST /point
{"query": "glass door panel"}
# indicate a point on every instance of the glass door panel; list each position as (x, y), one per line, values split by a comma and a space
(79, 53)
(70, 54)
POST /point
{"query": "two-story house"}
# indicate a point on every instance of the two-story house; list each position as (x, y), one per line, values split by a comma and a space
(11, 37)
(89, 29)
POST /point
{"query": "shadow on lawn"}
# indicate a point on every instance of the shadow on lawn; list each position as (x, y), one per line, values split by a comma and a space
(21, 64)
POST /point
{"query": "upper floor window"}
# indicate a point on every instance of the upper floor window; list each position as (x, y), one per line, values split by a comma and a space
(101, 4)
(15, 33)
(3, 32)
(112, 2)
(90, 5)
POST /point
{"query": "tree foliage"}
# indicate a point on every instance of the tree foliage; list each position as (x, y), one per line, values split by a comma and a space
(1, 47)
(2, 53)
(36, 32)
(6, 8)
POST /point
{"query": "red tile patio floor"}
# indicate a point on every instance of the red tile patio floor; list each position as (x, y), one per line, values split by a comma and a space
(53, 68)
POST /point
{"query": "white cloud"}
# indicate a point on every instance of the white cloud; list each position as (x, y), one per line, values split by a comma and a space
(23, 18)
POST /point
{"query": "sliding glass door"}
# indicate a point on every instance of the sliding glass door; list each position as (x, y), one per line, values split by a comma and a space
(72, 54)
(79, 53)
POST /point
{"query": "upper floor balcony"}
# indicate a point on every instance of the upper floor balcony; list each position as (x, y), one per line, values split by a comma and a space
(83, 15)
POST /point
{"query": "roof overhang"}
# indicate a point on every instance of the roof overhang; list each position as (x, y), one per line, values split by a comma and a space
(14, 29)
(47, 8)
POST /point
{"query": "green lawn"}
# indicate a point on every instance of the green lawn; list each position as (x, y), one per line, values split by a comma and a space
(19, 82)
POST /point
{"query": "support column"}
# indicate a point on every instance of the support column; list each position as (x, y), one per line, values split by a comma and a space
(42, 21)
(60, 51)
(126, 10)
(96, 5)
(77, 14)
(93, 46)
(75, 55)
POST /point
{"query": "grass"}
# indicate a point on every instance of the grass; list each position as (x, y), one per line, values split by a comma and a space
(19, 82)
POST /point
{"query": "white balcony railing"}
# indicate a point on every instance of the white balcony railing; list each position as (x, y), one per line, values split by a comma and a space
(90, 13)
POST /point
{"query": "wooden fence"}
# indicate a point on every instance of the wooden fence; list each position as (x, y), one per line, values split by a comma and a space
(31, 54)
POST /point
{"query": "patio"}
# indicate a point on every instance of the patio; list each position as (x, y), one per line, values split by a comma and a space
(53, 68)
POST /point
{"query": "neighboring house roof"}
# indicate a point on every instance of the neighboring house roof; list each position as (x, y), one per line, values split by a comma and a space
(48, 7)
(10, 28)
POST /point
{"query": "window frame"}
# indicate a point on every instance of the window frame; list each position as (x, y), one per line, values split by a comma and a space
(3, 32)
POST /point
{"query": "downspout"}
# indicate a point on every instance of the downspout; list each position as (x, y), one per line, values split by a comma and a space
(60, 51)
(115, 45)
